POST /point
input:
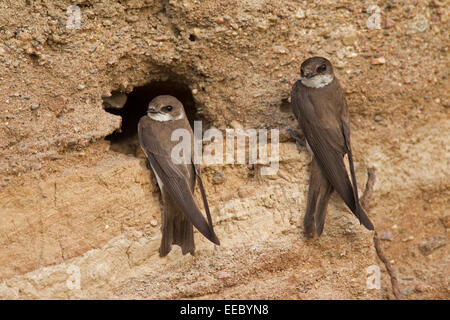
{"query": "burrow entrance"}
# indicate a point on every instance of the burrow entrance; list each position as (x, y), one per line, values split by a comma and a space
(125, 140)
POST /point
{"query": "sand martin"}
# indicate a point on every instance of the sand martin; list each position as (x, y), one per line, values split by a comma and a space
(320, 108)
(176, 181)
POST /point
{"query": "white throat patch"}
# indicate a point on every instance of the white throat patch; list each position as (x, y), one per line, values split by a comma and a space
(319, 81)
(162, 117)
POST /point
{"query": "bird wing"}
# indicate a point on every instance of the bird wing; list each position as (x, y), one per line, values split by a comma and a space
(202, 191)
(360, 213)
(174, 179)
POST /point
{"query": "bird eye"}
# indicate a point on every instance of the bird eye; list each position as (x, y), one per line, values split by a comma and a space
(167, 108)
(322, 68)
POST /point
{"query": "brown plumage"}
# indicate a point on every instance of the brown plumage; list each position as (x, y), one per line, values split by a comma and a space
(176, 181)
(320, 108)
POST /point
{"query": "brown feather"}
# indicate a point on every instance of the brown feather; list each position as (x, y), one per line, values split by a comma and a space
(322, 114)
(178, 180)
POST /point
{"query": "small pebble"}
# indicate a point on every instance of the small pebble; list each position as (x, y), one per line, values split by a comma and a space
(218, 177)
(387, 235)
(81, 87)
(419, 288)
(279, 49)
(34, 107)
(132, 18)
(378, 61)
(300, 14)
(194, 91)
(378, 118)
(29, 51)
(153, 222)
(387, 23)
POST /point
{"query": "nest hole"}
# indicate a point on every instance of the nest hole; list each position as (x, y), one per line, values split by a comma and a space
(125, 140)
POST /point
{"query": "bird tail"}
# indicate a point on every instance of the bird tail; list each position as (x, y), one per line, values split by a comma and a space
(176, 229)
(357, 210)
(363, 218)
(318, 196)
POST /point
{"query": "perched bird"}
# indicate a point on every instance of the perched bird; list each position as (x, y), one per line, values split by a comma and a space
(320, 108)
(176, 181)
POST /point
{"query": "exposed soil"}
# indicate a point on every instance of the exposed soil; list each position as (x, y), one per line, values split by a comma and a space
(74, 189)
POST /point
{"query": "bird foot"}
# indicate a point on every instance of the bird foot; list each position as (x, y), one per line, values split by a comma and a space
(299, 141)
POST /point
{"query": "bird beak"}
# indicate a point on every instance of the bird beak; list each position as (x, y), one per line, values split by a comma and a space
(309, 75)
(151, 110)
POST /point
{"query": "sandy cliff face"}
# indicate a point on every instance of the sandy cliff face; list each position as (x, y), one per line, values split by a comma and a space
(80, 213)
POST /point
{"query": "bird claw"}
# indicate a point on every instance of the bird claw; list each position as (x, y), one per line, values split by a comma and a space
(299, 141)
(147, 164)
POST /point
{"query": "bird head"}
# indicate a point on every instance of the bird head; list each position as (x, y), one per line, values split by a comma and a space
(316, 72)
(165, 108)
